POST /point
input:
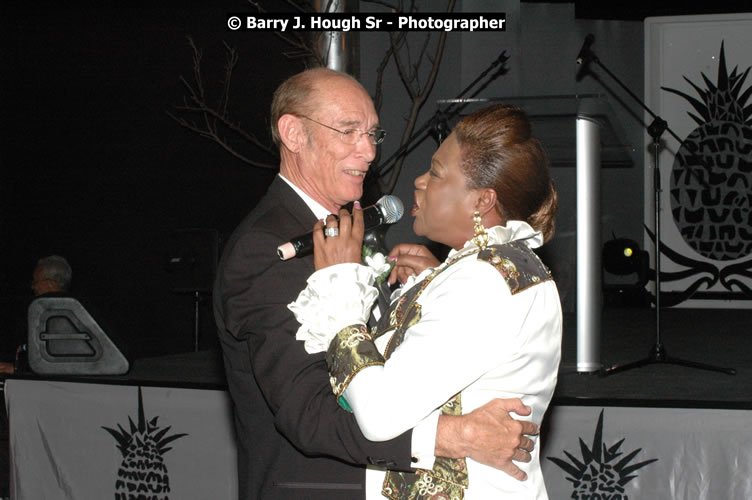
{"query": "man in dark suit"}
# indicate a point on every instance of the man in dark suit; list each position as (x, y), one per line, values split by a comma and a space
(293, 440)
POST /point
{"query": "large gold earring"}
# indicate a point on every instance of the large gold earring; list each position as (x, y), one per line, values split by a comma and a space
(480, 237)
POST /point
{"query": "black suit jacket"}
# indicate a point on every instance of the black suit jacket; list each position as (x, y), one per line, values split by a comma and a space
(293, 440)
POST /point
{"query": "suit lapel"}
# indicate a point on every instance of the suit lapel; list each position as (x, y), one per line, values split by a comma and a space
(294, 204)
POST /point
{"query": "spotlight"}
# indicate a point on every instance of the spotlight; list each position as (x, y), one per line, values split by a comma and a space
(623, 257)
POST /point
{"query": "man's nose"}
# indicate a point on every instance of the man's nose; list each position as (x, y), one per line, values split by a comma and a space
(366, 148)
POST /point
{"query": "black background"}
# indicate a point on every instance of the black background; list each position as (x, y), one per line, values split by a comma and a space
(93, 168)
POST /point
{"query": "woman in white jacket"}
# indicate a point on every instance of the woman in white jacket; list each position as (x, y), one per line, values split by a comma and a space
(483, 324)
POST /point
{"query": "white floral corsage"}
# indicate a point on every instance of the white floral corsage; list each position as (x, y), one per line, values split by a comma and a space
(378, 262)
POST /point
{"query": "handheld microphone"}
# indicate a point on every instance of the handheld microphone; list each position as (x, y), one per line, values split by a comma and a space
(387, 210)
(585, 50)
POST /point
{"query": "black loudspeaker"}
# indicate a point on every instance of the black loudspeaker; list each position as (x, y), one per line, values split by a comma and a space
(192, 260)
(64, 339)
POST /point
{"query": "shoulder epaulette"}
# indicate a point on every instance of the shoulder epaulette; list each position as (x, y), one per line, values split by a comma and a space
(517, 263)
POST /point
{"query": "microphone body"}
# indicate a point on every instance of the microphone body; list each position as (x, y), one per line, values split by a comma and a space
(387, 210)
(585, 50)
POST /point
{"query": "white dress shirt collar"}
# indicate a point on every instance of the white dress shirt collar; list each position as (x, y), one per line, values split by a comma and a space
(318, 210)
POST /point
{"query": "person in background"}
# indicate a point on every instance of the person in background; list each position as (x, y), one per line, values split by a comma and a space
(51, 277)
(293, 440)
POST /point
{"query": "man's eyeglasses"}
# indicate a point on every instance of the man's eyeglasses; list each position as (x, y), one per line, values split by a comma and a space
(351, 136)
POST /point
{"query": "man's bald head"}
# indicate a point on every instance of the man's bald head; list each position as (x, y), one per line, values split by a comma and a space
(298, 95)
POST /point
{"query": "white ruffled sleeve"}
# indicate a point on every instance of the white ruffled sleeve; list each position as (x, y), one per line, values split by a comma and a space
(336, 297)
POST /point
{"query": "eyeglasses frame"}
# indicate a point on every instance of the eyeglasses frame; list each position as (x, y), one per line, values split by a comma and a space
(371, 133)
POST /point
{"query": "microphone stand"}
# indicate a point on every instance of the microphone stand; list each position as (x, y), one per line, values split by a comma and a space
(658, 353)
(438, 122)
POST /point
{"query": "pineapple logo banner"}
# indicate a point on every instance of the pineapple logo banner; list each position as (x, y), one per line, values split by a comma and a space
(711, 181)
(601, 471)
(697, 69)
(142, 474)
(632, 453)
(109, 441)
(58, 448)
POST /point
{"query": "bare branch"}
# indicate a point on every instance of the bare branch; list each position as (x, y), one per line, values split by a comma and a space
(296, 5)
(419, 62)
(201, 107)
(418, 102)
(436, 60)
(210, 119)
(214, 137)
(388, 5)
(197, 54)
(305, 7)
(303, 47)
(401, 69)
(232, 60)
(378, 96)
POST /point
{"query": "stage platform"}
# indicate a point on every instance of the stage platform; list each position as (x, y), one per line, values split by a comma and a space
(718, 337)
(660, 431)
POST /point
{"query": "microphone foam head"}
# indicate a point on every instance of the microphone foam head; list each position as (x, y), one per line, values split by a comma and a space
(391, 208)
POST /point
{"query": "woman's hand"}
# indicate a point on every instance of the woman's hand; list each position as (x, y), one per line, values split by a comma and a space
(346, 246)
(410, 259)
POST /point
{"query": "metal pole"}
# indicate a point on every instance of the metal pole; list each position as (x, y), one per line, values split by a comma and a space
(588, 245)
(657, 192)
(196, 323)
(339, 49)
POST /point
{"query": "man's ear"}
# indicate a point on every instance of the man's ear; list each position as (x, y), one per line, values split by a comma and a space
(291, 132)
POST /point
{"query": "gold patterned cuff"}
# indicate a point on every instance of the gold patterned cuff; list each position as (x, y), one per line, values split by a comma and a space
(351, 350)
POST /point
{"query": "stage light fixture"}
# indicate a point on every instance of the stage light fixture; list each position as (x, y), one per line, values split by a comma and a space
(623, 257)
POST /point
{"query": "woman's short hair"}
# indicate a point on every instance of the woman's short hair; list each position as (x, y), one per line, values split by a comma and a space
(296, 95)
(499, 151)
(56, 268)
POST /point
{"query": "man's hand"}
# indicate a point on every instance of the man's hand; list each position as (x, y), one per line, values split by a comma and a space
(346, 246)
(489, 435)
